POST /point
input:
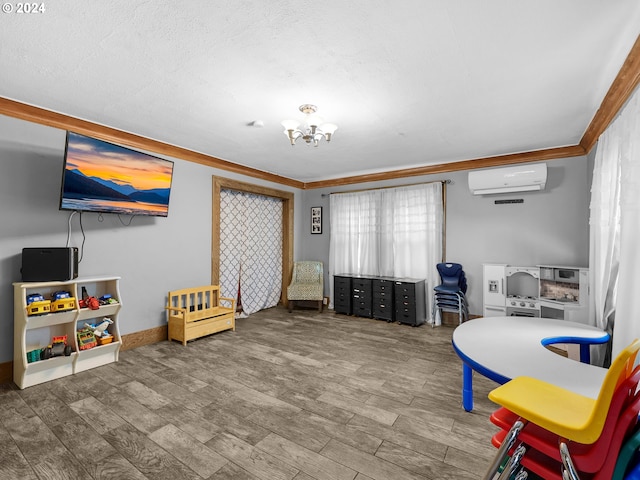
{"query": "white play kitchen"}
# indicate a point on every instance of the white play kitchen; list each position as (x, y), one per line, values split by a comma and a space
(542, 291)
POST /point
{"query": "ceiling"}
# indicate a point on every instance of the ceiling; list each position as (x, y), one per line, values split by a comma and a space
(410, 83)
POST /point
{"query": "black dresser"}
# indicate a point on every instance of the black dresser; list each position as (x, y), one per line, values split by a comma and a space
(342, 294)
(384, 298)
(361, 296)
(382, 294)
(410, 301)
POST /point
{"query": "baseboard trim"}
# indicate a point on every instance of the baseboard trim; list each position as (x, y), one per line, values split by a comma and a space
(6, 372)
(144, 337)
(129, 341)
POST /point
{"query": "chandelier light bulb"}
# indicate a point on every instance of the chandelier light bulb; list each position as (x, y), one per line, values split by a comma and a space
(313, 120)
(328, 129)
(290, 124)
(312, 129)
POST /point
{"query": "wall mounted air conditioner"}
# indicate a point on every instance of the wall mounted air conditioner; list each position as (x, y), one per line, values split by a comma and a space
(527, 177)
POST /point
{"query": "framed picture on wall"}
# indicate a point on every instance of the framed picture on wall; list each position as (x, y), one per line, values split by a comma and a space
(316, 219)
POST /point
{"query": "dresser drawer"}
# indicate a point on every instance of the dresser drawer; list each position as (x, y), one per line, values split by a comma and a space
(383, 312)
(408, 318)
(405, 289)
(385, 297)
(405, 296)
(363, 284)
(362, 309)
(382, 285)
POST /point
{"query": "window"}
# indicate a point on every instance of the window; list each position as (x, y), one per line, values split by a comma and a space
(388, 232)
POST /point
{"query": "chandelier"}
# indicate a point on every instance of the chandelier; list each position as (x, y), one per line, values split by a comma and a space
(312, 128)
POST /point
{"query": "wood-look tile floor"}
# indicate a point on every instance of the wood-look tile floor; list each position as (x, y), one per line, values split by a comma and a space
(301, 396)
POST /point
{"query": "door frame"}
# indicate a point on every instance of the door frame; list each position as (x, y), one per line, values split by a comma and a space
(220, 183)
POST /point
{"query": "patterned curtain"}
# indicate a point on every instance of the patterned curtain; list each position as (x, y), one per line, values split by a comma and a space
(231, 235)
(251, 249)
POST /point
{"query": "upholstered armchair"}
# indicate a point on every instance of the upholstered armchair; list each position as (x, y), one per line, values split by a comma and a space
(307, 283)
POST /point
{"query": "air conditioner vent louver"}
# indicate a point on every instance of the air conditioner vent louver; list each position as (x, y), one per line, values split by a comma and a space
(527, 177)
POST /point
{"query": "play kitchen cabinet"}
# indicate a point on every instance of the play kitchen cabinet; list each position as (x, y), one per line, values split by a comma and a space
(493, 292)
(542, 291)
(37, 324)
(564, 293)
(510, 291)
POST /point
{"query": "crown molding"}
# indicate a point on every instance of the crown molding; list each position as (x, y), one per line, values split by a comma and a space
(497, 161)
(49, 118)
(621, 89)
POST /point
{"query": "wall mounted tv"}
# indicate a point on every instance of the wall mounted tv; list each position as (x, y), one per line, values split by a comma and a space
(99, 176)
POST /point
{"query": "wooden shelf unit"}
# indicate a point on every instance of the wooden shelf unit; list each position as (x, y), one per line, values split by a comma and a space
(33, 332)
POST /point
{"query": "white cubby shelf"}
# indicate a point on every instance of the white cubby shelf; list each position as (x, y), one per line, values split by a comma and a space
(33, 332)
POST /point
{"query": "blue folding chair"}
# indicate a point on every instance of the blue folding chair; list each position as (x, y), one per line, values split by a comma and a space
(449, 296)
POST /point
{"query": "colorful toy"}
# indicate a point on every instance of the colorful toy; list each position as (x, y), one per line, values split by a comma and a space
(100, 329)
(104, 339)
(90, 302)
(33, 355)
(107, 299)
(34, 297)
(37, 305)
(60, 295)
(62, 301)
(57, 348)
(86, 339)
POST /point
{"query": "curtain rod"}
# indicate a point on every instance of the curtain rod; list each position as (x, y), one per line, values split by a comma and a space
(444, 182)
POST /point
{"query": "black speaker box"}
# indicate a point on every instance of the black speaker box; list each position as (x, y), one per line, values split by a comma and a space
(49, 264)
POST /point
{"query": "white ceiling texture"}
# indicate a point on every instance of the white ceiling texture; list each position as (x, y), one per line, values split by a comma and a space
(409, 83)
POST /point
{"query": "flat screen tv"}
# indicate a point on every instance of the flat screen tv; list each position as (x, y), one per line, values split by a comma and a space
(99, 176)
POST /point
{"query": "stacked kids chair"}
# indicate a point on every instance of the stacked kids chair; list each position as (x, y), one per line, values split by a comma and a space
(449, 296)
(558, 434)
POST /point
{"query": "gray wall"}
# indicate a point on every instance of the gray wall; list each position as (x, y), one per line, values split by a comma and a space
(152, 255)
(550, 227)
(155, 255)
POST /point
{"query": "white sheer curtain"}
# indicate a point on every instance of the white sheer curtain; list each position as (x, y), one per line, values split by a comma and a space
(388, 232)
(627, 129)
(615, 229)
(604, 251)
(412, 225)
(353, 245)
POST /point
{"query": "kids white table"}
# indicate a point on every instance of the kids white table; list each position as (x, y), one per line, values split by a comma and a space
(502, 348)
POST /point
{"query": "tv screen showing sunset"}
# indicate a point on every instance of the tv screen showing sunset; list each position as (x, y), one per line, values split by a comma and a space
(103, 177)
